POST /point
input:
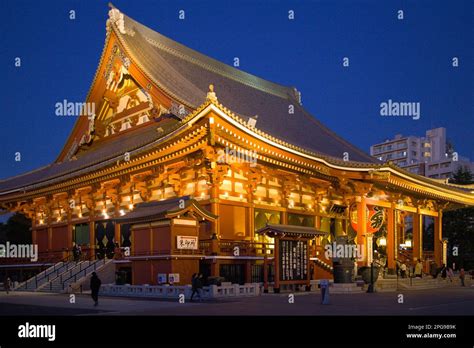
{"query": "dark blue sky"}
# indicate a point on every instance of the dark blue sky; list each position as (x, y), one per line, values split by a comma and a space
(408, 61)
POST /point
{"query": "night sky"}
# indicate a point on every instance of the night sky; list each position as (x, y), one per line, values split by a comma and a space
(407, 60)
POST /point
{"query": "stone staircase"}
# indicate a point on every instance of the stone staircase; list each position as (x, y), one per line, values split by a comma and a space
(57, 278)
(45, 276)
(425, 283)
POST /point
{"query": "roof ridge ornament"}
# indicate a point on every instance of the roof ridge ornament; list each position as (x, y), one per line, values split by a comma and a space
(211, 95)
(116, 17)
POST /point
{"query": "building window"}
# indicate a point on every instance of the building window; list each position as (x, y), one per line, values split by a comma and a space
(81, 234)
(300, 220)
(263, 217)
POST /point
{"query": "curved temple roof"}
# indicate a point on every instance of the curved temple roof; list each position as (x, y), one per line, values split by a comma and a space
(186, 75)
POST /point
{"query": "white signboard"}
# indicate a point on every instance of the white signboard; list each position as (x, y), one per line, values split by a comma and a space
(173, 278)
(161, 278)
(187, 242)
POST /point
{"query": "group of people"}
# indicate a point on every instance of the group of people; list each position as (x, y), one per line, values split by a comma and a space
(405, 270)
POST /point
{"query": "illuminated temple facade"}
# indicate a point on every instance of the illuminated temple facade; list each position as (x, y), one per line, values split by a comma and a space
(186, 159)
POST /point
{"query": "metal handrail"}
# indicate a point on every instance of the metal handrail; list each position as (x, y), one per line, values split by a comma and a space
(43, 274)
(60, 276)
(95, 263)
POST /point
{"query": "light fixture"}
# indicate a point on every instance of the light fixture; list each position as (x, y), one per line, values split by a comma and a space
(122, 212)
(130, 206)
(408, 243)
(203, 194)
(382, 241)
(41, 222)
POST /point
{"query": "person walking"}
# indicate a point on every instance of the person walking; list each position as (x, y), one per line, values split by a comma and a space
(403, 270)
(75, 252)
(199, 285)
(95, 286)
(194, 285)
(79, 252)
(444, 271)
(419, 269)
(7, 284)
(462, 275)
(450, 274)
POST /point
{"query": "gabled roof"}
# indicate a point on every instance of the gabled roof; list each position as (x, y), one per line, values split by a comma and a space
(159, 210)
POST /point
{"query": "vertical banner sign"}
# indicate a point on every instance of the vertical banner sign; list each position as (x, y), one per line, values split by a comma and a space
(293, 260)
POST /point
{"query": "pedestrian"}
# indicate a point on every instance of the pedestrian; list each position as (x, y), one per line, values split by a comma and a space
(462, 275)
(419, 269)
(433, 269)
(117, 252)
(7, 284)
(95, 286)
(193, 285)
(79, 252)
(444, 271)
(403, 270)
(199, 285)
(75, 252)
(450, 274)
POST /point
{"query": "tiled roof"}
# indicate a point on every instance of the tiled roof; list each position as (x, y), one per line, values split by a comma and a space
(291, 230)
(186, 75)
(157, 210)
(102, 154)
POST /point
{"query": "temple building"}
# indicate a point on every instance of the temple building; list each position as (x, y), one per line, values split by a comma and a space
(191, 165)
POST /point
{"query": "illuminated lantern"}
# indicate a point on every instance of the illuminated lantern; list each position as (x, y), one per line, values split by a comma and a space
(375, 217)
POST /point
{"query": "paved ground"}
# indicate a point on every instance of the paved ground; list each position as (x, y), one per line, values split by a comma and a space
(447, 301)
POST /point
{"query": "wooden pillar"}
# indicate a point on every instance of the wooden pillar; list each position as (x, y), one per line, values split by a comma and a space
(317, 222)
(117, 225)
(214, 262)
(34, 237)
(251, 222)
(91, 237)
(69, 230)
(215, 207)
(265, 269)
(392, 245)
(417, 235)
(276, 258)
(362, 229)
(50, 238)
(308, 266)
(248, 271)
(438, 238)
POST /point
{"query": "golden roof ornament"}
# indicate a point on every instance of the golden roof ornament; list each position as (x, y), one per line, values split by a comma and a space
(211, 95)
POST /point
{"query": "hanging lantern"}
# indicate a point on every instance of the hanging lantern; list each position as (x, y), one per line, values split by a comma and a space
(375, 217)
